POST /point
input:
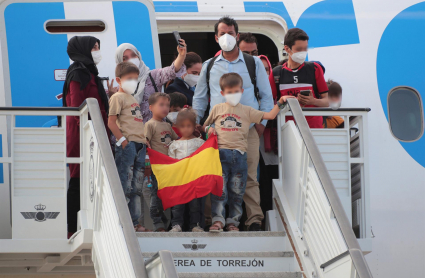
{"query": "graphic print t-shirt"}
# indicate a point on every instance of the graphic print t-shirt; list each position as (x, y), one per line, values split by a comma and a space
(232, 124)
(308, 76)
(160, 135)
(129, 120)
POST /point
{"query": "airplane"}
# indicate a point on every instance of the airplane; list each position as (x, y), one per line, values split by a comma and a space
(372, 48)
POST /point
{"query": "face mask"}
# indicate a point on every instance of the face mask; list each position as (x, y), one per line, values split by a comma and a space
(97, 56)
(135, 61)
(233, 99)
(227, 42)
(334, 104)
(129, 86)
(172, 116)
(299, 57)
(191, 79)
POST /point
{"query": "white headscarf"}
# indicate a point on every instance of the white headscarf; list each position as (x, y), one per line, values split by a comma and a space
(144, 70)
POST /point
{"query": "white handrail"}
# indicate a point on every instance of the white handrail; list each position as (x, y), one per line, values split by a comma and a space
(315, 219)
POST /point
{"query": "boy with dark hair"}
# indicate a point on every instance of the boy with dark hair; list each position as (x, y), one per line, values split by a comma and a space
(159, 136)
(232, 123)
(126, 123)
(297, 75)
(335, 96)
(248, 44)
(177, 101)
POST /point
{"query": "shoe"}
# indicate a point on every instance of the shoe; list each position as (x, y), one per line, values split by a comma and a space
(140, 228)
(254, 227)
(232, 228)
(197, 229)
(176, 229)
(161, 230)
(217, 227)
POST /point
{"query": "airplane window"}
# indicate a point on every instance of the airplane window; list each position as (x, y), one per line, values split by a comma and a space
(74, 26)
(405, 114)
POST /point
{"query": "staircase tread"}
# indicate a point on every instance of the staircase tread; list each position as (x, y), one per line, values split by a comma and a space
(217, 254)
(264, 274)
(206, 234)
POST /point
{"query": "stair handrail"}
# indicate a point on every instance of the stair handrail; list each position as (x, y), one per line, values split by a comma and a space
(112, 173)
(350, 239)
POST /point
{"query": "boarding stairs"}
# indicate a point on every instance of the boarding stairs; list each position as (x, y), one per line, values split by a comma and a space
(308, 232)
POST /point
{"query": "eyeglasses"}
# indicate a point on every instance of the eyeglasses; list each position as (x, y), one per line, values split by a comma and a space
(252, 53)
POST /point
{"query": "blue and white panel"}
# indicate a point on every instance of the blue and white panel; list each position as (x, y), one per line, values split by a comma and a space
(34, 54)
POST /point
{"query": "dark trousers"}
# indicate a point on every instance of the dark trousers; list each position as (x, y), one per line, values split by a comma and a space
(194, 213)
(73, 204)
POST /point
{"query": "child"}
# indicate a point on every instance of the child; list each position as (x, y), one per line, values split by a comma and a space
(126, 123)
(334, 96)
(184, 147)
(159, 136)
(232, 121)
(177, 102)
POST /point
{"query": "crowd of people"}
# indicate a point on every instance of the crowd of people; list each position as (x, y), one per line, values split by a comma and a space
(235, 95)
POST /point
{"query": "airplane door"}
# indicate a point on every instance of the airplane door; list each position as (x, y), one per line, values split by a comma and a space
(35, 59)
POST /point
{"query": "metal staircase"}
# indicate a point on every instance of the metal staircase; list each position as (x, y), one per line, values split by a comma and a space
(309, 234)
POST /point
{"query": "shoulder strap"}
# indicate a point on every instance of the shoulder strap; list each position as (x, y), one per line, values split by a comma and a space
(250, 65)
(209, 67)
(153, 82)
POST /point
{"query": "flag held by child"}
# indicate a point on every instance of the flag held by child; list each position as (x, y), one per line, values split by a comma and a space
(195, 176)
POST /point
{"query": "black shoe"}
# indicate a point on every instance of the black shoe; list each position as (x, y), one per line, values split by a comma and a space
(254, 227)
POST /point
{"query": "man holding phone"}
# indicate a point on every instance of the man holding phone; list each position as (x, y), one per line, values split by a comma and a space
(304, 80)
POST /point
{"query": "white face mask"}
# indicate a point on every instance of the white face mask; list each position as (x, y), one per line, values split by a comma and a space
(299, 57)
(334, 104)
(233, 99)
(135, 61)
(129, 86)
(172, 116)
(227, 42)
(191, 79)
(97, 56)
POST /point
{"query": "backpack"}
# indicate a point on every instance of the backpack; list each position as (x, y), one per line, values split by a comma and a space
(250, 65)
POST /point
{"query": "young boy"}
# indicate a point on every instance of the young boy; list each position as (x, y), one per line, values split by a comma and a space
(177, 102)
(159, 136)
(232, 121)
(335, 96)
(126, 123)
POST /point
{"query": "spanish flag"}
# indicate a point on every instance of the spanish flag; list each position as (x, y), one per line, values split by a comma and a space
(195, 176)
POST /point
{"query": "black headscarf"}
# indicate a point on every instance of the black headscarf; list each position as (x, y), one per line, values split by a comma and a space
(79, 51)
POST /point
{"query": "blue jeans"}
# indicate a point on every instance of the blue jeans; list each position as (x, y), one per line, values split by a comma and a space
(130, 163)
(195, 214)
(156, 209)
(235, 173)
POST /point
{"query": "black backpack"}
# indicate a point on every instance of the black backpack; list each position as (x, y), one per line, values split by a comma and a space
(250, 65)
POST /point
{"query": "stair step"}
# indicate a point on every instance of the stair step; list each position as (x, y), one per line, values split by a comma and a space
(214, 242)
(266, 274)
(234, 261)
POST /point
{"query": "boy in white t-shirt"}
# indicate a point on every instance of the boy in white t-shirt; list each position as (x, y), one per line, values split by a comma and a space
(232, 121)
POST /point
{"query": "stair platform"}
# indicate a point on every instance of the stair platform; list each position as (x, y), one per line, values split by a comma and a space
(267, 274)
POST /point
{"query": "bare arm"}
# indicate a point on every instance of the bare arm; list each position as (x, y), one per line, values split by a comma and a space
(272, 114)
(112, 124)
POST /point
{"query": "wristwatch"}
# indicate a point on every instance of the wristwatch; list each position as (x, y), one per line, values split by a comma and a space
(122, 139)
(281, 106)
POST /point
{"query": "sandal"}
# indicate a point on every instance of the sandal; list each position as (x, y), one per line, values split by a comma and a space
(217, 227)
(140, 228)
(232, 228)
(160, 230)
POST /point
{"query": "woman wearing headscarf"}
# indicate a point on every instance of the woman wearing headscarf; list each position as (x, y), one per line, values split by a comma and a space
(150, 81)
(82, 82)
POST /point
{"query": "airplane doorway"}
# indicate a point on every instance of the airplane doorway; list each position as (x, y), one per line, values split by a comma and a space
(204, 44)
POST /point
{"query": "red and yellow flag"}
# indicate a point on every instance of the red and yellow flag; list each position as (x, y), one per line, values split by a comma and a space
(195, 176)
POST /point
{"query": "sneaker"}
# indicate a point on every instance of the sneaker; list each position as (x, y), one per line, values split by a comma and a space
(176, 229)
(197, 229)
(254, 227)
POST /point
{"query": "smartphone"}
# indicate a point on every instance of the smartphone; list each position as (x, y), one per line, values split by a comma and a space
(305, 92)
(177, 37)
